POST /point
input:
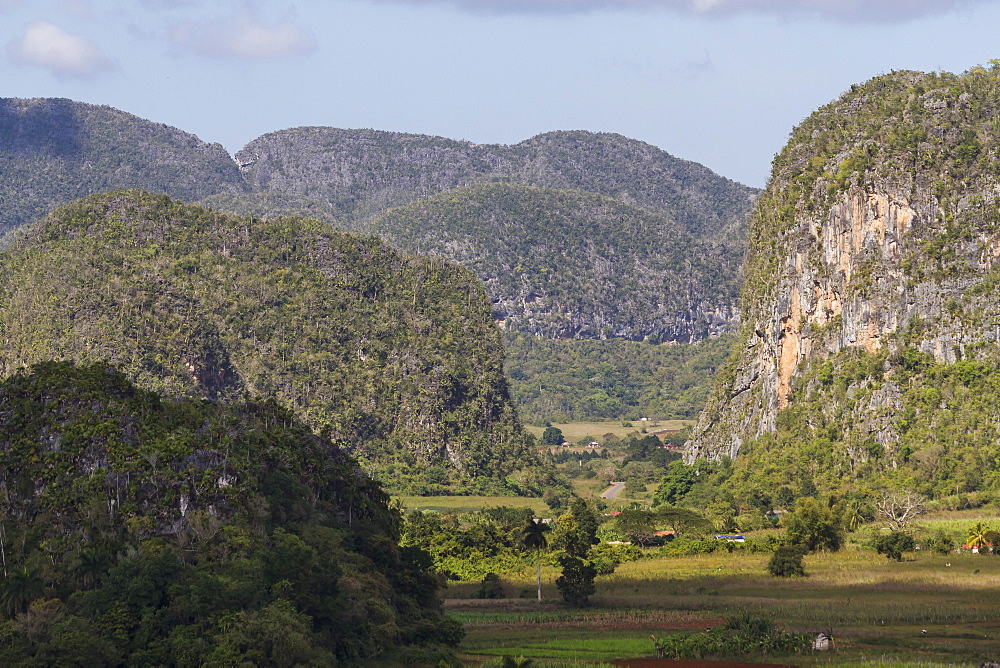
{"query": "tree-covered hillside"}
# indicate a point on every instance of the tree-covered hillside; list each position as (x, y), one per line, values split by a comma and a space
(396, 358)
(567, 380)
(136, 530)
(570, 264)
(360, 173)
(53, 151)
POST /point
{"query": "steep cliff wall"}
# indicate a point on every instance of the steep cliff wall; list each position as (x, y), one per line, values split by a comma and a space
(872, 271)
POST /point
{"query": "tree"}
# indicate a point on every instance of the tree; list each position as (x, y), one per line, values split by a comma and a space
(893, 544)
(552, 436)
(977, 537)
(813, 525)
(899, 508)
(576, 531)
(576, 584)
(535, 540)
(682, 520)
(679, 480)
(21, 588)
(787, 562)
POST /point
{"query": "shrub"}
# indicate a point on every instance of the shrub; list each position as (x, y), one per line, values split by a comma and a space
(491, 587)
(787, 562)
(893, 544)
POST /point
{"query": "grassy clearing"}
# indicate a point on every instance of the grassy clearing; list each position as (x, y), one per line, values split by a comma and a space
(465, 504)
(575, 431)
(922, 610)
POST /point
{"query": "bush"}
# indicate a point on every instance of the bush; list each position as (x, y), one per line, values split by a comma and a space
(491, 587)
(787, 562)
(893, 544)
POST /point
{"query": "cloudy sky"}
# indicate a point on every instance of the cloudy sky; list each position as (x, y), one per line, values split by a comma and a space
(720, 82)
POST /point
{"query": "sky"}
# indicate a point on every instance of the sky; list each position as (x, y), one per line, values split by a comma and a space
(720, 82)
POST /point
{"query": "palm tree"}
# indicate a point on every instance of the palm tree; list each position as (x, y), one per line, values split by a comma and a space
(21, 588)
(977, 536)
(534, 539)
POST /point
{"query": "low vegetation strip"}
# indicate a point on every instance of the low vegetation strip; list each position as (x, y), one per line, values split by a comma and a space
(604, 619)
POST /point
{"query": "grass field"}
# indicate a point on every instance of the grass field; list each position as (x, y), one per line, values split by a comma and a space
(573, 432)
(929, 609)
(465, 504)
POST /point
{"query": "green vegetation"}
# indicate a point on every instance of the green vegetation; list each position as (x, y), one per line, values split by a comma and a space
(360, 173)
(891, 358)
(397, 359)
(942, 443)
(873, 608)
(570, 264)
(139, 530)
(53, 151)
(574, 380)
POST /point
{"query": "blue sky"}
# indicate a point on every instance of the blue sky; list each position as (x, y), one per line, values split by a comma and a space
(721, 82)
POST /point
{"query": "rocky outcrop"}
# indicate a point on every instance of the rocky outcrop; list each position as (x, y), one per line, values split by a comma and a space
(878, 236)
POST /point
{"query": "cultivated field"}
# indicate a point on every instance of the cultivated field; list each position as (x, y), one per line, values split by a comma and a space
(465, 504)
(575, 431)
(928, 609)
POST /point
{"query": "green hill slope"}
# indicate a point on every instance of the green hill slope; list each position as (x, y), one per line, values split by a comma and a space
(396, 358)
(142, 531)
(868, 353)
(569, 264)
(53, 151)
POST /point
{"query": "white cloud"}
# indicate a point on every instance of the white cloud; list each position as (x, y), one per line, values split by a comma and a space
(47, 45)
(857, 11)
(243, 37)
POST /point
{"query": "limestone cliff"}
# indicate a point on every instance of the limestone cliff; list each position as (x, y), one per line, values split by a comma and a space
(872, 270)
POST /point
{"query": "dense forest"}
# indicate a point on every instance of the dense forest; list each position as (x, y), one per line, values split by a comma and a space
(569, 264)
(137, 530)
(396, 358)
(568, 380)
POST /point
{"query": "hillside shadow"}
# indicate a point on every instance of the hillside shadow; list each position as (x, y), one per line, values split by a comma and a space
(47, 126)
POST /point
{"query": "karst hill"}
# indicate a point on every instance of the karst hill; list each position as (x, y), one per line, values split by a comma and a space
(869, 344)
(395, 358)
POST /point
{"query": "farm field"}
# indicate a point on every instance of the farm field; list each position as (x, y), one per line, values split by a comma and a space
(574, 431)
(928, 609)
(465, 504)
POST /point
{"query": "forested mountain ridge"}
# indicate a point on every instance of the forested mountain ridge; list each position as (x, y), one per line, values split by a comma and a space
(577, 234)
(397, 358)
(359, 173)
(570, 264)
(53, 151)
(868, 351)
(144, 531)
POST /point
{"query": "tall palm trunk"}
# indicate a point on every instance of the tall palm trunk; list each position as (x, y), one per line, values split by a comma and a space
(539, 559)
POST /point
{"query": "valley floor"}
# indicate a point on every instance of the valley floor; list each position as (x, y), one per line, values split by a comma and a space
(928, 609)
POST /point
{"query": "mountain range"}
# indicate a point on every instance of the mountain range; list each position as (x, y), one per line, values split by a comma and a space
(637, 243)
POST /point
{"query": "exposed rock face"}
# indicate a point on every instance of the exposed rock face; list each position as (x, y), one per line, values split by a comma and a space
(878, 236)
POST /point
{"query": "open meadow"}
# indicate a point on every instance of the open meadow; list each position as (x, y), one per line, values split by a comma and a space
(928, 609)
(574, 432)
(466, 504)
